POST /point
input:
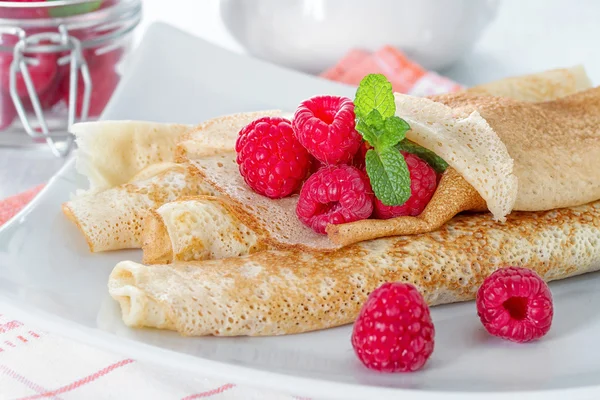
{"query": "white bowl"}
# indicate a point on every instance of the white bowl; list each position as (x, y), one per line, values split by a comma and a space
(312, 35)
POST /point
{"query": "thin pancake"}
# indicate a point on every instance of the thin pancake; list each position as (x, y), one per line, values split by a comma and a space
(543, 86)
(283, 292)
(197, 228)
(555, 145)
(110, 153)
(491, 142)
(113, 218)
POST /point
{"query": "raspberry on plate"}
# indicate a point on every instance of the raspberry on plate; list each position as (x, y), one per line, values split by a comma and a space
(271, 160)
(515, 304)
(423, 182)
(325, 126)
(335, 195)
(394, 331)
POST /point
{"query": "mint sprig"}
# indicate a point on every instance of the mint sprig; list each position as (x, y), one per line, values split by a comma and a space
(375, 107)
(389, 183)
(435, 161)
(374, 93)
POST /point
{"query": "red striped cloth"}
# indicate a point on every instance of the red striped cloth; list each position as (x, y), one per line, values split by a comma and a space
(38, 365)
(11, 206)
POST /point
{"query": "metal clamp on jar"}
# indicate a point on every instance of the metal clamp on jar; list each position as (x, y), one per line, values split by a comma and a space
(59, 64)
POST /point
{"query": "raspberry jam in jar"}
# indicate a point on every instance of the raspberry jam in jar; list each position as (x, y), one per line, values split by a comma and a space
(60, 61)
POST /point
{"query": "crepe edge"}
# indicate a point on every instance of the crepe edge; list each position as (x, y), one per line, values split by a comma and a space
(138, 309)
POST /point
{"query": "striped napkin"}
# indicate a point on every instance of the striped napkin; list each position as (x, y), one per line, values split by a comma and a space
(35, 364)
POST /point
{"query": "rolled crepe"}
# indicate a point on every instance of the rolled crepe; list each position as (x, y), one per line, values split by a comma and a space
(552, 171)
(123, 161)
(283, 292)
(111, 153)
(543, 86)
(454, 193)
(514, 154)
(197, 228)
(216, 135)
(112, 219)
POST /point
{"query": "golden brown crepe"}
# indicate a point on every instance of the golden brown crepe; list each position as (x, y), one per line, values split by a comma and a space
(542, 86)
(514, 154)
(295, 289)
(111, 153)
(283, 292)
(553, 170)
(177, 231)
(125, 164)
(112, 219)
(284, 231)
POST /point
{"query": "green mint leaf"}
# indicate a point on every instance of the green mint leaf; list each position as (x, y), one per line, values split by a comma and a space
(435, 161)
(375, 120)
(389, 175)
(366, 132)
(394, 131)
(374, 93)
(74, 9)
(371, 127)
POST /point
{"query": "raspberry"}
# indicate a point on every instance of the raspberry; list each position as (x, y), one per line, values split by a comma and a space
(334, 195)
(22, 12)
(515, 304)
(42, 71)
(271, 160)
(107, 61)
(359, 158)
(394, 331)
(104, 83)
(423, 182)
(7, 111)
(52, 95)
(325, 127)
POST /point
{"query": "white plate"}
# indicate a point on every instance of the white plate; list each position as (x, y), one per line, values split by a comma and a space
(50, 279)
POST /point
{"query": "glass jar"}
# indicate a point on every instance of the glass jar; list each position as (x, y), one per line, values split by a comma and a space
(60, 61)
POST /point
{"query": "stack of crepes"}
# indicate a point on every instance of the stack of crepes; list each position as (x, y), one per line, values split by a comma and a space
(219, 259)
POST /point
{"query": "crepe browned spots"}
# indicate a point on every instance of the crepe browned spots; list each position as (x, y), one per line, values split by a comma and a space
(283, 292)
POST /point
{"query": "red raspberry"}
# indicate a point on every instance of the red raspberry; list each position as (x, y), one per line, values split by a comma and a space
(359, 158)
(515, 304)
(325, 126)
(315, 165)
(7, 111)
(104, 83)
(394, 331)
(23, 12)
(107, 61)
(423, 182)
(334, 195)
(42, 72)
(52, 95)
(271, 160)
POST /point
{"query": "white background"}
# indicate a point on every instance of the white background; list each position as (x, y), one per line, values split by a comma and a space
(526, 36)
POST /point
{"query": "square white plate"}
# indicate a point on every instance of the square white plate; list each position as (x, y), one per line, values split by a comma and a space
(50, 279)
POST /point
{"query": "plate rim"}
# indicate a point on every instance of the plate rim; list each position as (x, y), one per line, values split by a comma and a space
(253, 377)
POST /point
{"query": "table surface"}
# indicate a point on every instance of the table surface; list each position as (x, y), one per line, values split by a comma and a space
(525, 37)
